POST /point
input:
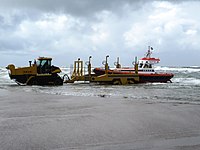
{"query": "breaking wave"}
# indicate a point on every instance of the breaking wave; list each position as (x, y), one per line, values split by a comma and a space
(179, 69)
(184, 89)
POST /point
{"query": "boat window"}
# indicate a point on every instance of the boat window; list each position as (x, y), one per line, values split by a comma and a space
(146, 66)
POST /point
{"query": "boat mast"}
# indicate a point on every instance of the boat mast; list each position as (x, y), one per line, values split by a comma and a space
(148, 55)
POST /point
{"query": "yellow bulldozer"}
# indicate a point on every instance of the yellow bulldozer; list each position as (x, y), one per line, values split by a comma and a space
(41, 72)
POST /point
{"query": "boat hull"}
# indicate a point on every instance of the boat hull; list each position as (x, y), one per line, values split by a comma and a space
(159, 77)
(143, 77)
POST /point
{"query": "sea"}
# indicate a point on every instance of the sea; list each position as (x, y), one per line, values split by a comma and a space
(184, 89)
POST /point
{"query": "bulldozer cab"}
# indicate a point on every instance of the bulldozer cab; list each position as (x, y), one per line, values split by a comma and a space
(44, 65)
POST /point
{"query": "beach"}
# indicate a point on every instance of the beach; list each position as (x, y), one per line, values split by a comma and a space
(30, 120)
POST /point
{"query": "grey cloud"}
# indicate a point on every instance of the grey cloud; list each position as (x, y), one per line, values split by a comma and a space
(74, 7)
(78, 37)
(78, 8)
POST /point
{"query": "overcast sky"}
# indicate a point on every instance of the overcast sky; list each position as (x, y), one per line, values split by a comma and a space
(68, 29)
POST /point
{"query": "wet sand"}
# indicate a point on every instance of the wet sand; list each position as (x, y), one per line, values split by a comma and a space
(43, 122)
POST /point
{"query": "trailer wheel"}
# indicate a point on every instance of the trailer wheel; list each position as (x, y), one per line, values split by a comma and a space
(117, 82)
(131, 81)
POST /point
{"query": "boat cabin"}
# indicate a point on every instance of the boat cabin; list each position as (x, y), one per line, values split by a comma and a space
(148, 62)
